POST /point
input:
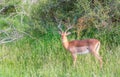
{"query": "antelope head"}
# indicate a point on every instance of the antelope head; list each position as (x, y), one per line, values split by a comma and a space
(64, 33)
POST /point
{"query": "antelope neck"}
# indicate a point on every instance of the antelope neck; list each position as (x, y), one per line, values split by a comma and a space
(65, 42)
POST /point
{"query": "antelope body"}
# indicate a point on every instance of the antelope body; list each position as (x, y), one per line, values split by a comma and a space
(80, 46)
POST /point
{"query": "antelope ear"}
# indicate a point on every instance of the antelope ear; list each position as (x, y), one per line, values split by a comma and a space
(68, 33)
(59, 32)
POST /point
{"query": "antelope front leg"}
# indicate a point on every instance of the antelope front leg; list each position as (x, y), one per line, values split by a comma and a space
(74, 56)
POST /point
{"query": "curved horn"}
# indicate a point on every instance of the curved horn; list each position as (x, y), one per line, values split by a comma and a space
(70, 27)
(59, 26)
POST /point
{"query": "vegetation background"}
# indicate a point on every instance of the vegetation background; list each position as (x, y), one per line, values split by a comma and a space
(30, 45)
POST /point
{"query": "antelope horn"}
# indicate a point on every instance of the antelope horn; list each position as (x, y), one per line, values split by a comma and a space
(60, 27)
(70, 27)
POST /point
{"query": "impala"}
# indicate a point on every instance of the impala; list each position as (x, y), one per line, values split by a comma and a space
(80, 46)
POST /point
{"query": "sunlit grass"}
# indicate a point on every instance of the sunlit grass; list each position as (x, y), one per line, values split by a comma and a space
(44, 55)
(47, 58)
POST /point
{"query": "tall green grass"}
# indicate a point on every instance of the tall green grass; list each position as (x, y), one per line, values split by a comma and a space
(46, 57)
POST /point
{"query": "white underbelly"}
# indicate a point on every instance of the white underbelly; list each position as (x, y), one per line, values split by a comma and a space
(80, 50)
(83, 52)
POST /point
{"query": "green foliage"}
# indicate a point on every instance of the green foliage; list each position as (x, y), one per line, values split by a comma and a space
(48, 10)
(43, 55)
